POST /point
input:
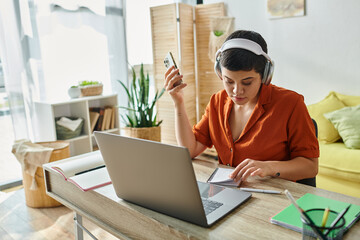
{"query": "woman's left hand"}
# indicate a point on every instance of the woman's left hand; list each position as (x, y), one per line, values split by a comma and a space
(250, 167)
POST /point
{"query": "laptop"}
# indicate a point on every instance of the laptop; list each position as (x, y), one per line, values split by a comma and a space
(161, 177)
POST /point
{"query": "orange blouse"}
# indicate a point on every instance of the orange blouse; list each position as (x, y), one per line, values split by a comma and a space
(279, 128)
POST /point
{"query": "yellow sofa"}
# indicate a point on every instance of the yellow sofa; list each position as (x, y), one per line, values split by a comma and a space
(339, 166)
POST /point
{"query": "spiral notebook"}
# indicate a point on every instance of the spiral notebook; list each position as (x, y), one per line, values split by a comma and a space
(290, 217)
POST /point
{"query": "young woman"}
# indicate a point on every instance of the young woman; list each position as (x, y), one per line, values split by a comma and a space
(256, 127)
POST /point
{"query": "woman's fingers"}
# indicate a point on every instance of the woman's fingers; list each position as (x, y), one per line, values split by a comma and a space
(169, 71)
(257, 172)
(170, 74)
(247, 173)
(174, 80)
(249, 167)
(238, 169)
(177, 88)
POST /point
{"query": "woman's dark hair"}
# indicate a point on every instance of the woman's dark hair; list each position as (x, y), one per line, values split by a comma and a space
(236, 59)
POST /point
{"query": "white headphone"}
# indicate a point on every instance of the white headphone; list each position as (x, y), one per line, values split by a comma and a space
(250, 46)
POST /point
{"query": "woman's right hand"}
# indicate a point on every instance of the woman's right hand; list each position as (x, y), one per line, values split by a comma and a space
(172, 77)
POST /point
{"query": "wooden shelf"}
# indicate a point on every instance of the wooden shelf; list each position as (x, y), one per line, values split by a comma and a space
(81, 137)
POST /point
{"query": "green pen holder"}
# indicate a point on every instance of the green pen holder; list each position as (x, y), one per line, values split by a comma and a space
(331, 233)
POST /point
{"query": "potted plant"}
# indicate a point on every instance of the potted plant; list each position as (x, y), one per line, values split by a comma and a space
(140, 118)
(74, 91)
(90, 88)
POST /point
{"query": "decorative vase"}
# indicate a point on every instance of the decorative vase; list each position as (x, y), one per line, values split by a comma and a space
(149, 133)
(74, 92)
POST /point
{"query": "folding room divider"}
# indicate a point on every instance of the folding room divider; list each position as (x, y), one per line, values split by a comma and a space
(184, 30)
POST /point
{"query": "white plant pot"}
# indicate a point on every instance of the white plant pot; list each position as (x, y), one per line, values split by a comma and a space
(74, 92)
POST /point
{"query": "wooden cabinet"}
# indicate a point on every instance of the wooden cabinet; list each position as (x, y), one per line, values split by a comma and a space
(46, 112)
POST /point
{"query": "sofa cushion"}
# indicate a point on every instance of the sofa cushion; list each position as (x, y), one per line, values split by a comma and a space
(338, 161)
(348, 100)
(326, 131)
(347, 122)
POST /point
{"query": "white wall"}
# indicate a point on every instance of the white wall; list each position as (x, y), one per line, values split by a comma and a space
(315, 53)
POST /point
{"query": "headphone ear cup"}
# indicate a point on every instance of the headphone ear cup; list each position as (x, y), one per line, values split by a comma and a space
(217, 68)
(266, 73)
(270, 73)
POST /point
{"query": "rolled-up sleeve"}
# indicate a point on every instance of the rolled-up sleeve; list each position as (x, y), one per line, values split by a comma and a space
(201, 129)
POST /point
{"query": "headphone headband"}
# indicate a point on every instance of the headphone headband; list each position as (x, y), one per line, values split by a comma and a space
(245, 44)
(251, 46)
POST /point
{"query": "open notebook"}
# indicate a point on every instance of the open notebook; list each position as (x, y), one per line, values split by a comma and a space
(221, 177)
(86, 172)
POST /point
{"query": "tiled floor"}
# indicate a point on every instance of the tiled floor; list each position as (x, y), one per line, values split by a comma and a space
(9, 167)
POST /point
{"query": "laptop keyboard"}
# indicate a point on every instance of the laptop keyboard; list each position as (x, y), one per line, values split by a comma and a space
(210, 206)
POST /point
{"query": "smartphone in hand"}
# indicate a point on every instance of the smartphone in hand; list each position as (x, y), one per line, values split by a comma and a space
(169, 61)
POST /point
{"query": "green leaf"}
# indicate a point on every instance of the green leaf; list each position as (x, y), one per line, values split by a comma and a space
(158, 124)
(218, 33)
(87, 83)
(128, 108)
(128, 121)
(154, 100)
(142, 119)
(142, 86)
(147, 88)
(161, 93)
(131, 103)
(133, 90)
(131, 121)
(150, 113)
(126, 90)
(154, 120)
(157, 96)
(140, 110)
(125, 120)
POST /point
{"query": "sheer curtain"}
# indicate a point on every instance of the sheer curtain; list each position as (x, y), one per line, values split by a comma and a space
(47, 46)
(14, 53)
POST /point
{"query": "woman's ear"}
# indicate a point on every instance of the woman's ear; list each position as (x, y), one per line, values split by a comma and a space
(217, 68)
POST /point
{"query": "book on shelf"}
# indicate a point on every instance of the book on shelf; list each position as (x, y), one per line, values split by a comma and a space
(290, 217)
(99, 122)
(107, 119)
(112, 124)
(101, 119)
(86, 172)
(221, 177)
(94, 116)
(104, 119)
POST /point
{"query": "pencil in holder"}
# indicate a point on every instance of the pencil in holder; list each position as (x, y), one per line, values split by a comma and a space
(330, 232)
